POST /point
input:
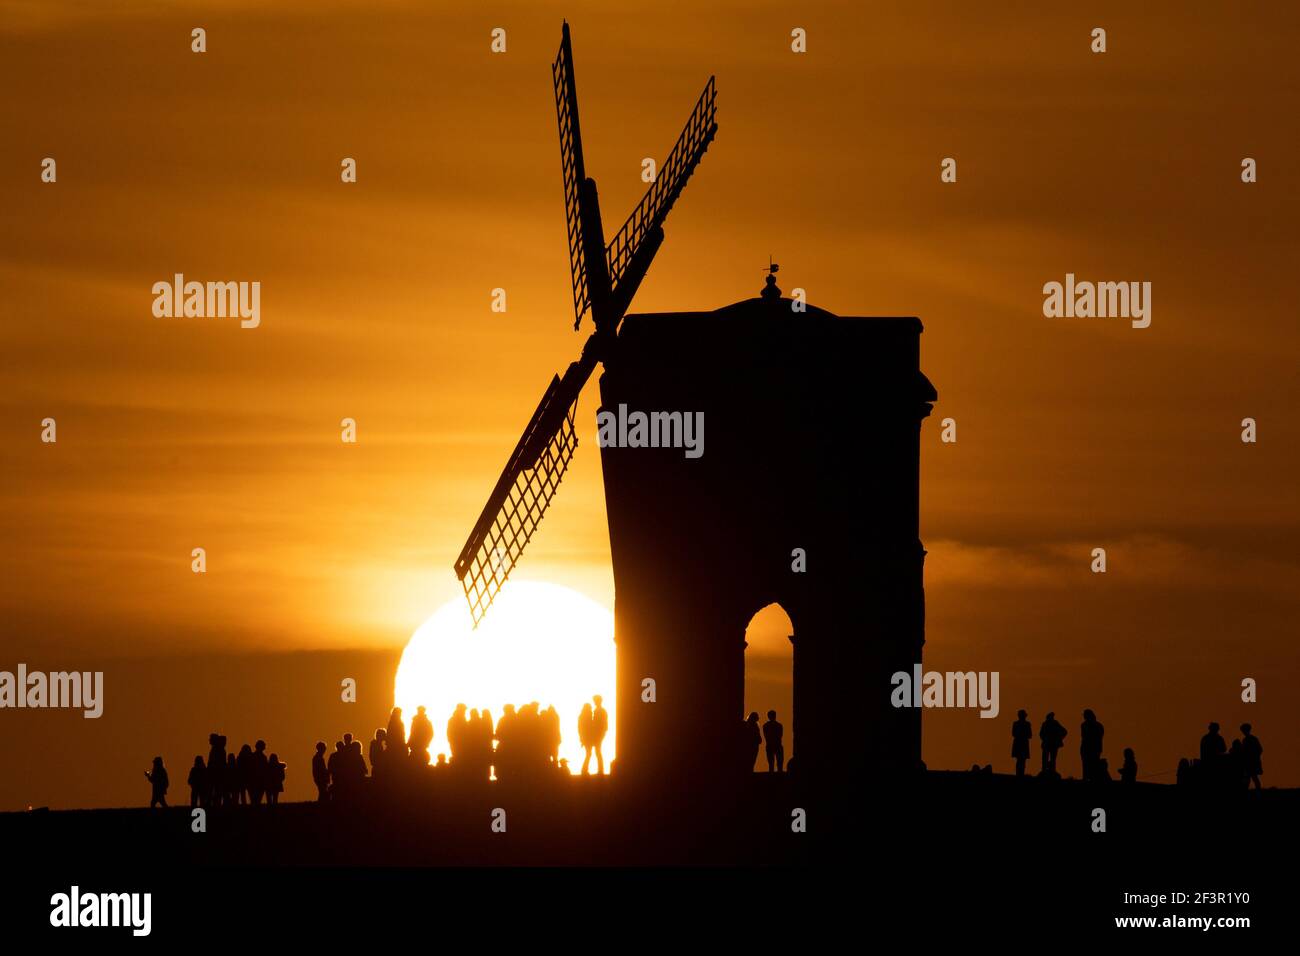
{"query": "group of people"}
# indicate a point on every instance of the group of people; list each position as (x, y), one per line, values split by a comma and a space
(224, 779)
(1218, 765)
(1051, 738)
(343, 775)
(526, 741)
(770, 737)
(1222, 767)
(523, 743)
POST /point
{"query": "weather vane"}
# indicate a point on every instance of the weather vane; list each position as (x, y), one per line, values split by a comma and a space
(771, 293)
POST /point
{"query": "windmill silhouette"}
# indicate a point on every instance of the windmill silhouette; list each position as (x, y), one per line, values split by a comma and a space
(605, 278)
(808, 497)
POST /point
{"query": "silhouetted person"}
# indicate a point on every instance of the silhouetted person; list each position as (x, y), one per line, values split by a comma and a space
(1051, 735)
(469, 742)
(217, 763)
(275, 772)
(482, 737)
(753, 740)
(773, 737)
(1090, 736)
(536, 737)
(1235, 768)
(1184, 776)
(356, 763)
(158, 781)
(335, 767)
(527, 742)
(257, 772)
(551, 725)
(504, 757)
(1022, 732)
(1128, 771)
(198, 784)
(458, 730)
(1252, 752)
(599, 727)
(517, 739)
(230, 783)
(395, 738)
(244, 769)
(378, 766)
(1213, 750)
(320, 774)
(584, 735)
(347, 769)
(421, 736)
(523, 741)
(1212, 744)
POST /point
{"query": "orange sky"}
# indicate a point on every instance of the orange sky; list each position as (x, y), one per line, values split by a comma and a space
(1073, 433)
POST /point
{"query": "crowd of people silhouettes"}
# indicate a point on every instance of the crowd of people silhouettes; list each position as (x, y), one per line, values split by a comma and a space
(525, 742)
(224, 779)
(1051, 738)
(227, 779)
(1219, 766)
(1223, 767)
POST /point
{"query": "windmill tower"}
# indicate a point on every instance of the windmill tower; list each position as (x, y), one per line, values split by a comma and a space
(812, 425)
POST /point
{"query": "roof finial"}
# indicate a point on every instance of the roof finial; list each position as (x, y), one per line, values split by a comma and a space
(770, 291)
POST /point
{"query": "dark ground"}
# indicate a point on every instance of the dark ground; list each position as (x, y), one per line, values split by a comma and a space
(957, 852)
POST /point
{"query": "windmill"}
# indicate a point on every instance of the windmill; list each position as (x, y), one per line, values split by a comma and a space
(605, 278)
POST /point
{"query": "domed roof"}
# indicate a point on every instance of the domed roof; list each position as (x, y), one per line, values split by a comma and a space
(770, 306)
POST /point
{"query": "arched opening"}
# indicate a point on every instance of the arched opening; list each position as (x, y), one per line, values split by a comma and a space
(769, 675)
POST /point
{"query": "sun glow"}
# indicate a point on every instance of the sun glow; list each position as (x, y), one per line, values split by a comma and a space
(539, 642)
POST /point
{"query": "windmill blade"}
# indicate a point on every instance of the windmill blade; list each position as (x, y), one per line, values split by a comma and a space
(581, 208)
(522, 494)
(625, 267)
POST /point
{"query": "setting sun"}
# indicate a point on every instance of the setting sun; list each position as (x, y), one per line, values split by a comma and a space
(540, 642)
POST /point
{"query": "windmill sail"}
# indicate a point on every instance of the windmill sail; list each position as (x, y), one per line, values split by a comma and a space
(654, 206)
(520, 498)
(581, 210)
(533, 472)
(572, 169)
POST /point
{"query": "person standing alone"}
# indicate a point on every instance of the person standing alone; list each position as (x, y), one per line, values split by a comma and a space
(773, 734)
(1022, 732)
(599, 727)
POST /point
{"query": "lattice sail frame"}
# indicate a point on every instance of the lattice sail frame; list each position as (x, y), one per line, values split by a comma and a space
(520, 500)
(599, 273)
(573, 170)
(654, 206)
